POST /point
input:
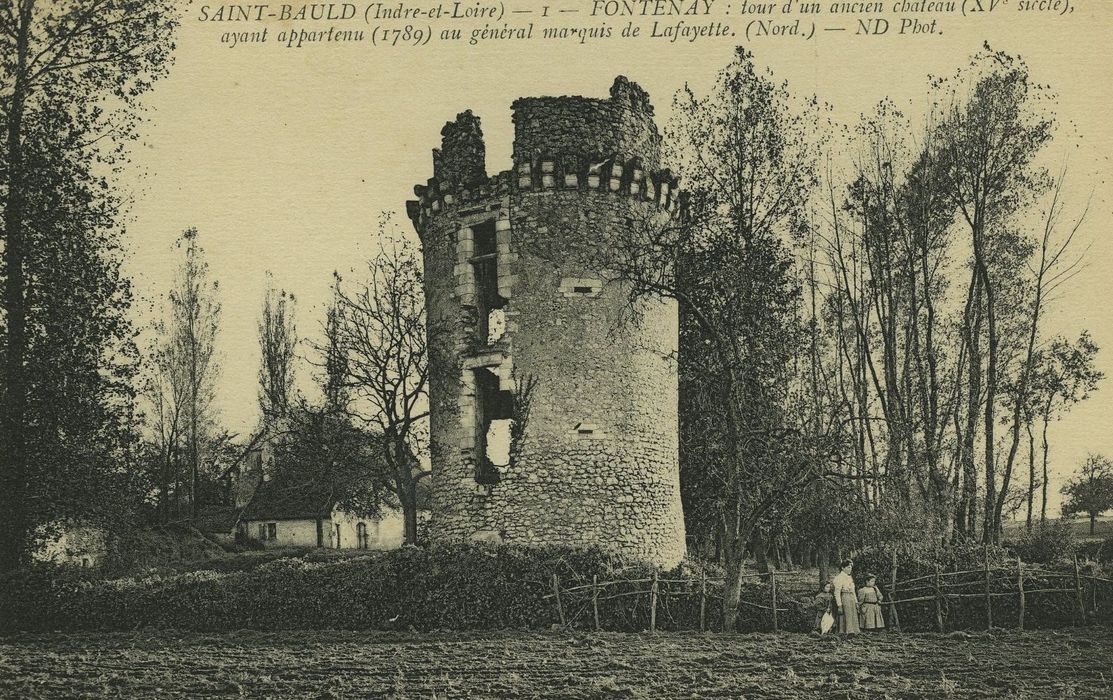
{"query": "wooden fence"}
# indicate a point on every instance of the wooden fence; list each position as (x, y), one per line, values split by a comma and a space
(938, 588)
(942, 587)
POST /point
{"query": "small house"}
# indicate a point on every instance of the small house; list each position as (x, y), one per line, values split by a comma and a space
(280, 516)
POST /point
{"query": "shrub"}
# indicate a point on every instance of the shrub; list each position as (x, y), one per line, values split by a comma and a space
(1047, 542)
(1100, 551)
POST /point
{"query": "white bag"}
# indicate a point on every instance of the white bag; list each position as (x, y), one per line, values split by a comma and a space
(826, 622)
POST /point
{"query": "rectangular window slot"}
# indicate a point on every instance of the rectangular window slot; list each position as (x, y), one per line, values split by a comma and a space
(583, 290)
(486, 268)
(493, 405)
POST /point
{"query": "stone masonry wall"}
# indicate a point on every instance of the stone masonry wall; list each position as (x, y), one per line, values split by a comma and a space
(597, 463)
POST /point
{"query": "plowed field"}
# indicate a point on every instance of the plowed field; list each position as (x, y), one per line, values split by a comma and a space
(1075, 663)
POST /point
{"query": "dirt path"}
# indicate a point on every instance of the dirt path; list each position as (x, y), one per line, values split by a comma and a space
(1044, 664)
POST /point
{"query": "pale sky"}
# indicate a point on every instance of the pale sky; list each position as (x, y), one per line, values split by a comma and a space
(283, 158)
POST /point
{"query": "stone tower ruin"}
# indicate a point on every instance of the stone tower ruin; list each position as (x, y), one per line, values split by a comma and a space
(553, 415)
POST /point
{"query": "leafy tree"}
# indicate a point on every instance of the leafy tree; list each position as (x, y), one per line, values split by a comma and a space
(1091, 490)
(71, 74)
(992, 133)
(746, 154)
(1065, 374)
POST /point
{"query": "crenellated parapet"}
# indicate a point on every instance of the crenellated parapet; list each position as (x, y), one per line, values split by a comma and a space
(613, 175)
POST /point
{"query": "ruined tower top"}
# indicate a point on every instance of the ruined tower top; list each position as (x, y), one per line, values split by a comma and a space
(588, 127)
(560, 143)
(461, 161)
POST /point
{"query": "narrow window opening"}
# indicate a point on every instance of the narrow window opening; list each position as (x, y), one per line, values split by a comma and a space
(583, 290)
(338, 535)
(489, 324)
(494, 415)
(272, 531)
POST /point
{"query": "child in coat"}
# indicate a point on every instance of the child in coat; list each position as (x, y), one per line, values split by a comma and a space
(824, 603)
(869, 605)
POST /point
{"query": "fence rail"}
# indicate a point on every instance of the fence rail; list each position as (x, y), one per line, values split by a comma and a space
(940, 587)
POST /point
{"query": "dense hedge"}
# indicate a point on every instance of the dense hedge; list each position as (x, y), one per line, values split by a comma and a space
(459, 587)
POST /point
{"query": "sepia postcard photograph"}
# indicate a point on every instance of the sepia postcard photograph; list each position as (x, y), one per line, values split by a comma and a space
(556, 349)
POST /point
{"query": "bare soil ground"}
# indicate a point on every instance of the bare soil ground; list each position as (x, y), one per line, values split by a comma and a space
(1076, 663)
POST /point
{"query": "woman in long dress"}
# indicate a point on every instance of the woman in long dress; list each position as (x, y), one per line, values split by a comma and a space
(869, 605)
(845, 599)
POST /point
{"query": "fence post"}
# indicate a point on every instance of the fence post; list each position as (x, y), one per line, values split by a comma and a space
(988, 598)
(595, 599)
(653, 603)
(703, 601)
(1020, 586)
(559, 606)
(1078, 588)
(1094, 597)
(894, 618)
(938, 601)
(773, 595)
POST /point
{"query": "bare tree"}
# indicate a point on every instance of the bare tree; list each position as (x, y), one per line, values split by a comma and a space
(164, 388)
(379, 327)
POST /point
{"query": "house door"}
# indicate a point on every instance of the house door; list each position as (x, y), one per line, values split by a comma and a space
(338, 536)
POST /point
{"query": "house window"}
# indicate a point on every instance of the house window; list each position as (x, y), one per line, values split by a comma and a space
(485, 266)
(494, 413)
(361, 535)
(262, 531)
(272, 531)
(338, 535)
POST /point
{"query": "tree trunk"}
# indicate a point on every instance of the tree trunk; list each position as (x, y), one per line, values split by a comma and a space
(409, 508)
(972, 334)
(406, 487)
(824, 565)
(1043, 486)
(761, 552)
(14, 547)
(1031, 475)
(733, 561)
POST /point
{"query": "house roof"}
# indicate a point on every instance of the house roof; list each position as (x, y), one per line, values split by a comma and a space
(274, 501)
